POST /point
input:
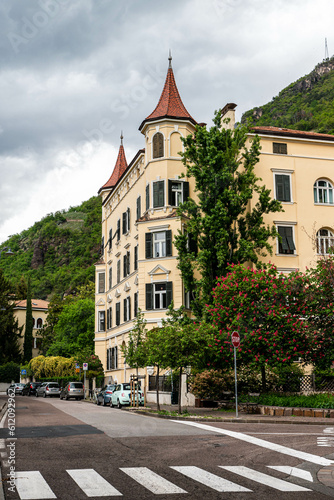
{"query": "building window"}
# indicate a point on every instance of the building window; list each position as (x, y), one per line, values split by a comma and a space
(282, 187)
(118, 313)
(147, 195)
(135, 302)
(102, 324)
(126, 221)
(158, 244)
(280, 148)
(323, 192)
(158, 194)
(159, 295)
(110, 278)
(136, 258)
(178, 192)
(138, 211)
(158, 145)
(118, 270)
(101, 283)
(109, 318)
(127, 309)
(110, 239)
(39, 323)
(325, 241)
(126, 264)
(286, 245)
(112, 358)
(118, 230)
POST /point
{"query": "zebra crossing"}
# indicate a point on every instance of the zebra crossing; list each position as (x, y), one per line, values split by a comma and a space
(31, 485)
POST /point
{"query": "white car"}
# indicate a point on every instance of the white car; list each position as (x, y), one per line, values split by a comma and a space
(121, 396)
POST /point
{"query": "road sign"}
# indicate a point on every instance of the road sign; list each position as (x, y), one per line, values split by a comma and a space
(235, 339)
(23, 372)
(85, 366)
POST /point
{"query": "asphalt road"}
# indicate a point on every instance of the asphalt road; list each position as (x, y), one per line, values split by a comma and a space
(76, 450)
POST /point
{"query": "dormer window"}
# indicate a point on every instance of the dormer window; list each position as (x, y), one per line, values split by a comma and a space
(158, 145)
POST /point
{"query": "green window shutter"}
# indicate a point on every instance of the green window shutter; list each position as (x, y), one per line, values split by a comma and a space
(158, 194)
(124, 266)
(128, 262)
(148, 246)
(118, 229)
(129, 308)
(124, 224)
(135, 304)
(282, 233)
(118, 271)
(169, 243)
(286, 184)
(282, 187)
(170, 193)
(138, 207)
(118, 313)
(110, 239)
(289, 238)
(102, 282)
(128, 219)
(169, 292)
(185, 191)
(149, 295)
(136, 258)
(147, 196)
(124, 310)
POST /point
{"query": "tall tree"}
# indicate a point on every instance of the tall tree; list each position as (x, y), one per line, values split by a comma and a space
(29, 325)
(9, 329)
(220, 226)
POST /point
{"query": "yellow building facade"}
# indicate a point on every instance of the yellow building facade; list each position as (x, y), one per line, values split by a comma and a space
(138, 267)
(39, 314)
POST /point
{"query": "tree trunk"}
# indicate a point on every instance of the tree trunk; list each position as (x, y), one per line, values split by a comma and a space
(180, 382)
(157, 387)
(263, 374)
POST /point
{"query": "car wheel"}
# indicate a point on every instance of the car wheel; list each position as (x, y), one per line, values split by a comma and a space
(119, 406)
(111, 404)
(66, 397)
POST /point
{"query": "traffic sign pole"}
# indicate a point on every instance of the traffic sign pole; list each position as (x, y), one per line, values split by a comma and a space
(235, 339)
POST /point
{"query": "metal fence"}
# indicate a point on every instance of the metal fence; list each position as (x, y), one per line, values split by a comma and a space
(165, 384)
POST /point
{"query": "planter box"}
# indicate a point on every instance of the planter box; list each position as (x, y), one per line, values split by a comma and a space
(298, 412)
(279, 412)
(205, 403)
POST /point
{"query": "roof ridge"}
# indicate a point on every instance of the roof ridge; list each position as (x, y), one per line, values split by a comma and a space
(120, 166)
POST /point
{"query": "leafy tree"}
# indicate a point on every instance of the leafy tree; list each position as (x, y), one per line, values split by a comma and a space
(220, 222)
(268, 310)
(135, 350)
(74, 330)
(29, 324)
(9, 328)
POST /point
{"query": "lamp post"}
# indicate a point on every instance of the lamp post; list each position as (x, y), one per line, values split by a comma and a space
(6, 250)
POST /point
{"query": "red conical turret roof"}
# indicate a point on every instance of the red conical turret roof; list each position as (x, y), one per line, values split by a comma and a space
(170, 104)
(119, 169)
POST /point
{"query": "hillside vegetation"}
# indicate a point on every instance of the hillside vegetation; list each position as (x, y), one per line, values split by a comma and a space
(58, 252)
(307, 104)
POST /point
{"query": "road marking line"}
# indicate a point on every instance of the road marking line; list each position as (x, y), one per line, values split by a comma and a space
(293, 471)
(307, 457)
(152, 481)
(92, 483)
(206, 478)
(31, 485)
(264, 479)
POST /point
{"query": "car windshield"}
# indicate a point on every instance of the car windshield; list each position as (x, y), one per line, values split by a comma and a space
(54, 385)
(76, 385)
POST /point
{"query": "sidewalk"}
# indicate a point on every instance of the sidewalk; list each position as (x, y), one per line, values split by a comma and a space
(218, 415)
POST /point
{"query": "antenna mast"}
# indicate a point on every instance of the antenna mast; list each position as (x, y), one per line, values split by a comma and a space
(326, 51)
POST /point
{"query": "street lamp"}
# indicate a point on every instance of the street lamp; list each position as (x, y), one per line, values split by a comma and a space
(6, 250)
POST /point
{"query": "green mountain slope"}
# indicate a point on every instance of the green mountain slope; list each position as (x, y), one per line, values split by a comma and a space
(58, 252)
(307, 104)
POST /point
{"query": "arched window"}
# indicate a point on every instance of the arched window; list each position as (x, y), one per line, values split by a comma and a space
(39, 323)
(158, 145)
(325, 241)
(323, 192)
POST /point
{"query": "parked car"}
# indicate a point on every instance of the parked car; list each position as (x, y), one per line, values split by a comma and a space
(104, 395)
(121, 396)
(72, 390)
(17, 387)
(48, 389)
(30, 388)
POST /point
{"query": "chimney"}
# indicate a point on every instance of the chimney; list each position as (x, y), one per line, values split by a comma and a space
(228, 112)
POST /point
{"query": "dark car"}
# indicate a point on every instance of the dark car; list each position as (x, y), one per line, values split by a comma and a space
(72, 390)
(104, 395)
(30, 388)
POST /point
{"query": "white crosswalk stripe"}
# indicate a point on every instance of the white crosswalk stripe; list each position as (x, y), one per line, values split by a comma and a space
(32, 486)
(215, 482)
(152, 481)
(92, 483)
(264, 479)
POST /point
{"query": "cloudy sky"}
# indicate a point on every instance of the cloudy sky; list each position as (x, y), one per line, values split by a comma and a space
(74, 73)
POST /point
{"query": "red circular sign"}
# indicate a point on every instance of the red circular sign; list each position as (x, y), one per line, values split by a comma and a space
(235, 338)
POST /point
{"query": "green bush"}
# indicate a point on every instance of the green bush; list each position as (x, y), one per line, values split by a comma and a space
(316, 400)
(10, 371)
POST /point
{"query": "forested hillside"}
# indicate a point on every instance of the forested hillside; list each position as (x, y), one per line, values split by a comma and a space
(58, 252)
(307, 104)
